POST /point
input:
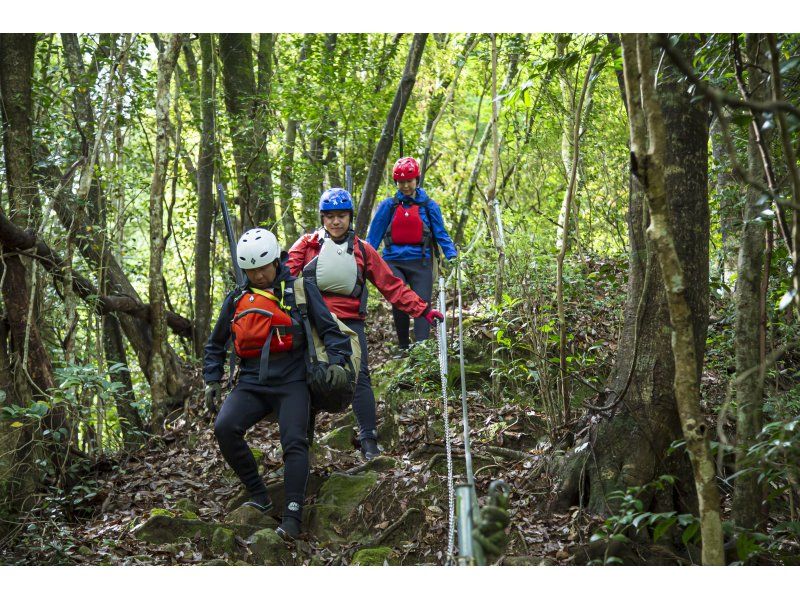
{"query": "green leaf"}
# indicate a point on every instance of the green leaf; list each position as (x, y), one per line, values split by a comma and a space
(662, 528)
(690, 532)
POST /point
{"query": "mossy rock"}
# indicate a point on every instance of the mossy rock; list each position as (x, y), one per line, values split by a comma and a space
(187, 505)
(85, 551)
(247, 515)
(223, 541)
(379, 555)
(388, 432)
(523, 561)
(215, 563)
(337, 499)
(162, 529)
(382, 463)
(269, 549)
(339, 438)
(411, 527)
(157, 512)
(348, 418)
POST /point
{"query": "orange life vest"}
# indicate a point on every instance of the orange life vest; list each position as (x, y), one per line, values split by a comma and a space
(260, 318)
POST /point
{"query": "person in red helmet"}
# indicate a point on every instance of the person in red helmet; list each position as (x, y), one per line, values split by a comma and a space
(340, 263)
(411, 227)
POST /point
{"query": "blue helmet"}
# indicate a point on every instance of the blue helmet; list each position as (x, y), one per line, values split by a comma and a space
(335, 199)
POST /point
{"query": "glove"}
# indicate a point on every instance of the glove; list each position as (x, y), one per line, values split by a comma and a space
(336, 377)
(491, 531)
(213, 392)
(431, 314)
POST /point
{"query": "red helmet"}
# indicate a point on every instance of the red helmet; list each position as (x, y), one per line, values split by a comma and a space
(405, 168)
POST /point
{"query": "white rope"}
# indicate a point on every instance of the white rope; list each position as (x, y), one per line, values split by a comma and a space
(442, 342)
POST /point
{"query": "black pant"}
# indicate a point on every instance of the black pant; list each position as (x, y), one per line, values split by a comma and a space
(364, 399)
(248, 404)
(419, 277)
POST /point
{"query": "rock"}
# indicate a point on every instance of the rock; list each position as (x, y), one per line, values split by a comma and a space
(223, 541)
(348, 418)
(161, 529)
(215, 563)
(382, 463)
(339, 438)
(388, 432)
(380, 555)
(337, 499)
(161, 512)
(85, 551)
(524, 561)
(246, 515)
(269, 549)
(187, 505)
(241, 563)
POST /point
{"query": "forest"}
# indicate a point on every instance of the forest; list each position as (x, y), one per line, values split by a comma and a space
(621, 320)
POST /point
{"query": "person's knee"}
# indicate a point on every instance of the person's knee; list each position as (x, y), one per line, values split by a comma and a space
(226, 429)
(295, 443)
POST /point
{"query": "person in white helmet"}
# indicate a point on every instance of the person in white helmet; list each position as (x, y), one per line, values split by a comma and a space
(263, 322)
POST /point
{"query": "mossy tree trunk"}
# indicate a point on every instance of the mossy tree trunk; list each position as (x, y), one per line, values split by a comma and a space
(167, 58)
(639, 419)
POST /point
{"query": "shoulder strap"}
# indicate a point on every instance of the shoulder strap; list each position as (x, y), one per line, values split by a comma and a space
(362, 306)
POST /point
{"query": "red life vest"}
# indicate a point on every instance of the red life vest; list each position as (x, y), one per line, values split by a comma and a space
(258, 318)
(407, 226)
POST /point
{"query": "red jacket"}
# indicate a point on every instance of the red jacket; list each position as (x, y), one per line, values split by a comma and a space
(395, 290)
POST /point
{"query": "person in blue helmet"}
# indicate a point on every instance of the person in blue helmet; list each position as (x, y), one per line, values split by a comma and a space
(410, 226)
(340, 264)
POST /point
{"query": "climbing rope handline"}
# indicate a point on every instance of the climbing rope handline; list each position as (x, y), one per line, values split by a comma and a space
(478, 529)
(442, 342)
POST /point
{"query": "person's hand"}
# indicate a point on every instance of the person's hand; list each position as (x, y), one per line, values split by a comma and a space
(432, 315)
(213, 392)
(336, 376)
(491, 530)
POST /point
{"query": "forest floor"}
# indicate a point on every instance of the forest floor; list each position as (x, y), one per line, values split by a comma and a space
(182, 473)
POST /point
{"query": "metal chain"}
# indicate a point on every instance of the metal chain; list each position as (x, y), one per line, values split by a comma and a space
(442, 343)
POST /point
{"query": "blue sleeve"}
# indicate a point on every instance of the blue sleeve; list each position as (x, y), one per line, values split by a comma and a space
(216, 349)
(439, 233)
(379, 224)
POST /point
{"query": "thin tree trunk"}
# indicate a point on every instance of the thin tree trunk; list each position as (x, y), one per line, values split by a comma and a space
(393, 120)
(648, 151)
(205, 197)
(563, 382)
(747, 490)
(158, 385)
(430, 130)
(466, 208)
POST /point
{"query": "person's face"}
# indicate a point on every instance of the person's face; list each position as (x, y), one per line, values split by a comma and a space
(407, 186)
(263, 277)
(336, 222)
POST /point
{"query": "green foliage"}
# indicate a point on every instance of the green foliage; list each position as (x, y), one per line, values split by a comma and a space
(631, 519)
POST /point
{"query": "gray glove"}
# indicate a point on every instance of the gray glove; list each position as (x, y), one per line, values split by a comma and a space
(213, 393)
(491, 529)
(335, 376)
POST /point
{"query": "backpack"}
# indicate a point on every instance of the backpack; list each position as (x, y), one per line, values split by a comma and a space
(406, 227)
(324, 397)
(261, 325)
(332, 276)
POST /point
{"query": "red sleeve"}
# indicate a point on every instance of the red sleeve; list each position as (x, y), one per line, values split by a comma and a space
(297, 255)
(391, 287)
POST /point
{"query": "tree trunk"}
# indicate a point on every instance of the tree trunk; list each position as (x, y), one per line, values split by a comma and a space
(393, 120)
(649, 163)
(247, 135)
(205, 198)
(730, 214)
(748, 385)
(158, 384)
(34, 374)
(511, 74)
(639, 421)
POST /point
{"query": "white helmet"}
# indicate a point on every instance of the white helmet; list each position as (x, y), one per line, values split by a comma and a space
(257, 247)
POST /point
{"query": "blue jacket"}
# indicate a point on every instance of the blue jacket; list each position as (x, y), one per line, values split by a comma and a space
(431, 215)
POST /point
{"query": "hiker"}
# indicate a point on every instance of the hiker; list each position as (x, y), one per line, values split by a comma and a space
(410, 226)
(262, 319)
(340, 263)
